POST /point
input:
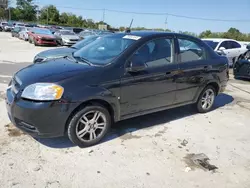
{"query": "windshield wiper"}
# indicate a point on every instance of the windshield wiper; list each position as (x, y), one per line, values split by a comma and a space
(86, 61)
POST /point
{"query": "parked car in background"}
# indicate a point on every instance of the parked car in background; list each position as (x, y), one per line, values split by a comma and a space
(41, 36)
(86, 33)
(241, 67)
(62, 52)
(2, 24)
(66, 37)
(23, 34)
(19, 24)
(76, 30)
(114, 78)
(15, 31)
(8, 27)
(232, 49)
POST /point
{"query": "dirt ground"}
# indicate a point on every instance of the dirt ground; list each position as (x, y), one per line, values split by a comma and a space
(152, 151)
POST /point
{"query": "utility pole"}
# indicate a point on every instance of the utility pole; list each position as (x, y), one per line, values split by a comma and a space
(103, 15)
(9, 14)
(166, 23)
(48, 16)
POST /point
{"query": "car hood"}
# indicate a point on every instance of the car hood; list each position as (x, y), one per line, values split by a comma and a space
(70, 37)
(51, 71)
(58, 52)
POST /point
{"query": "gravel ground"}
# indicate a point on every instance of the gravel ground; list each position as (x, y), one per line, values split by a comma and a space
(156, 150)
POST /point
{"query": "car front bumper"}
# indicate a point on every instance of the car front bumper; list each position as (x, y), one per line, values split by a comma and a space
(39, 119)
(44, 42)
(69, 43)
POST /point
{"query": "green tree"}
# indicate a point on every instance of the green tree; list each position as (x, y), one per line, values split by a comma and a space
(27, 10)
(205, 34)
(50, 14)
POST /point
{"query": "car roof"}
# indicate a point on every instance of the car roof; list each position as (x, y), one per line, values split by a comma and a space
(218, 39)
(147, 33)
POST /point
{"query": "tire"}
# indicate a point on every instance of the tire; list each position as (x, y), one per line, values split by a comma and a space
(88, 125)
(200, 105)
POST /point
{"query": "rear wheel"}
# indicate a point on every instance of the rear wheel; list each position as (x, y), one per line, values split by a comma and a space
(206, 100)
(89, 125)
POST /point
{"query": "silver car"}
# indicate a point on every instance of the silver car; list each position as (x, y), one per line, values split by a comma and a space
(23, 34)
(66, 37)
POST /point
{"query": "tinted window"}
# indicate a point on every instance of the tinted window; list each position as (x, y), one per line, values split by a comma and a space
(157, 52)
(235, 44)
(42, 31)
(190, 50)
(225, 44)
(211, 43)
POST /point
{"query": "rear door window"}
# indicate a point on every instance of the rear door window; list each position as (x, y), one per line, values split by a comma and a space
(190, 50)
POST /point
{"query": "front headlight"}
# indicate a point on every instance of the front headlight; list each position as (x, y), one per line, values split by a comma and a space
(43, 92)
(65, 39)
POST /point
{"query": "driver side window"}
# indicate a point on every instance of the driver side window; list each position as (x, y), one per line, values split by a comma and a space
(190, 50)
(155, 53)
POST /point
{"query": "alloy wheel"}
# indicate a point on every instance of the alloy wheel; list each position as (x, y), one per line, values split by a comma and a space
(91, 126)
(207, 99)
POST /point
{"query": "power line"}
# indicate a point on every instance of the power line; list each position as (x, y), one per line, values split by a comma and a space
(155, 14)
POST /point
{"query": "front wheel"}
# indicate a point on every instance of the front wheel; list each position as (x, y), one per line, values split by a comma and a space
(89, 125)
(206, 100)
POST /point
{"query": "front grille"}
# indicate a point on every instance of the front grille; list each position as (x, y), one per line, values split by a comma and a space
(48, 39)
(73, 39)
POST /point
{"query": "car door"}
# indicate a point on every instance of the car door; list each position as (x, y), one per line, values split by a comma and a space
(229, 51)
(155, 86)
(193, 67)
(236, 49)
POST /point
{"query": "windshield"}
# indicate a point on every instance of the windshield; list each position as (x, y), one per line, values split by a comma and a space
(104, 49)
(42, 31)
(84, 42)
(87, 33)
(211, 43)
(67, 32)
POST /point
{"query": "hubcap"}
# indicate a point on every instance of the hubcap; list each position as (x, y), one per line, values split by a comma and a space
(207, 99)
(91, 125)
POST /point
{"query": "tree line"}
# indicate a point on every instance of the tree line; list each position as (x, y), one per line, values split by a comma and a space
(27, 10)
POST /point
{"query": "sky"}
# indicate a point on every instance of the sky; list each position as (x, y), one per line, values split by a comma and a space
(211, 9)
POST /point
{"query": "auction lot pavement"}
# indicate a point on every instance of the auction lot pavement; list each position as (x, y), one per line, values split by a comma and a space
(149, 151)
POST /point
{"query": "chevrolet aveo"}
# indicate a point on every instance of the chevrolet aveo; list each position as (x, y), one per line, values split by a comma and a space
(113, 78)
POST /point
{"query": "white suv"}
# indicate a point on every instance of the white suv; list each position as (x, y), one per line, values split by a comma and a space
(228, 47)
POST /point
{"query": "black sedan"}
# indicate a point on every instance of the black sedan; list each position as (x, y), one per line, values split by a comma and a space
(242, 67)
(114, 78)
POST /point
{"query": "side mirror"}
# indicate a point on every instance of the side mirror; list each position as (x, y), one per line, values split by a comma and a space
(136, 66)
(221, 48)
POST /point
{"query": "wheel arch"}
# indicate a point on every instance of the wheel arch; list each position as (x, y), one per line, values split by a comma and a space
(114, 114)
(213, 83)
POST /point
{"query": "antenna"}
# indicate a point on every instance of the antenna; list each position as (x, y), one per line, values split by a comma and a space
(128, 30)
(166, 22)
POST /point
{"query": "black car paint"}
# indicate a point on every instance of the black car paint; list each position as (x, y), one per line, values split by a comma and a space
(125, 94)
(241, 68)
